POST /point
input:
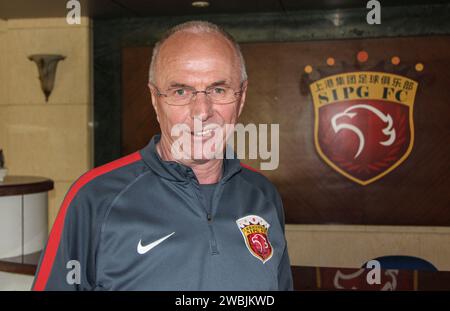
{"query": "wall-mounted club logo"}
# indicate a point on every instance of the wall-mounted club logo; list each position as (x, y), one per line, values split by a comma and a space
(363, 124)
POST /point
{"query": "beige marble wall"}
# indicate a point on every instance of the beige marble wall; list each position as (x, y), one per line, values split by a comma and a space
(3, 89)
(50, 139)
(351, 246)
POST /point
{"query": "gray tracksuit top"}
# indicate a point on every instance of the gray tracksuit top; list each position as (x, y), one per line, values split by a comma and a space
(141, 223)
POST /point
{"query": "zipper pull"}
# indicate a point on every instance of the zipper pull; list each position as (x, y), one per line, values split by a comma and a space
(209, 217)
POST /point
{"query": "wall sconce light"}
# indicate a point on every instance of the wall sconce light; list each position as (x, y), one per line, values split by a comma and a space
(47, 70)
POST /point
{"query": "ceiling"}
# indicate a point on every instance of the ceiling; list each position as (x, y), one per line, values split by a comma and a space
(103, 9)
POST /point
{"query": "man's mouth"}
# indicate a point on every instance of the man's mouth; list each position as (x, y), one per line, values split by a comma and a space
(203, 133)
(206, 131)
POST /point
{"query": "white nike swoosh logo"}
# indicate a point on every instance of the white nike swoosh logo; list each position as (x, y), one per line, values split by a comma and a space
(144, 249)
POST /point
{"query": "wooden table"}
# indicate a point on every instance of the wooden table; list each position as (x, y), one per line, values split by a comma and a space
(23, 222)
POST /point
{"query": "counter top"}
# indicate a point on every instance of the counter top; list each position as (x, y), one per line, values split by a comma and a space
(18, 185)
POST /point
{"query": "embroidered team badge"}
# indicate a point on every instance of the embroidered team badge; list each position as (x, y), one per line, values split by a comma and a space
(254, 230)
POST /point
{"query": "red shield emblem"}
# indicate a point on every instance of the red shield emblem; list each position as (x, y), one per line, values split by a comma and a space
(255, 229)
(364, 130)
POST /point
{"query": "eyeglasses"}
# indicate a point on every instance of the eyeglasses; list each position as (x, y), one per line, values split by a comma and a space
(184, 95)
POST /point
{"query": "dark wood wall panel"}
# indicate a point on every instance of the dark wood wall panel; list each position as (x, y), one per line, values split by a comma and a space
(139, 122)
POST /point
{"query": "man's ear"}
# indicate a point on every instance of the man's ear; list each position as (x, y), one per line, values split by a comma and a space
(243, 94)
(154, 96)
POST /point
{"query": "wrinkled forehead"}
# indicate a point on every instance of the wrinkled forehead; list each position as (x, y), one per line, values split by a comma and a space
(186, 53)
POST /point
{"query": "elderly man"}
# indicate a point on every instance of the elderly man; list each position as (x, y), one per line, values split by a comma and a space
(168, 217)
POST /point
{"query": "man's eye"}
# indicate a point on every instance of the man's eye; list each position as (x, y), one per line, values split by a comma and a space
(219, 90)
(179, 92)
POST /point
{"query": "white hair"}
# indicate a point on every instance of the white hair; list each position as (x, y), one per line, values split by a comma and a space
(196, 27)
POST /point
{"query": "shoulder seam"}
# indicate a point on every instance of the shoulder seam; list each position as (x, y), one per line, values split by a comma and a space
(96, 172)
(111, 205)
(128, 186)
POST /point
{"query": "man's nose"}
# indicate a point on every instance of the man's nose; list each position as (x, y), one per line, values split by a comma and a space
(201, 107)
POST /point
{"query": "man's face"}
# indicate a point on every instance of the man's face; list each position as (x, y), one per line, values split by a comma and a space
(196, 61)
